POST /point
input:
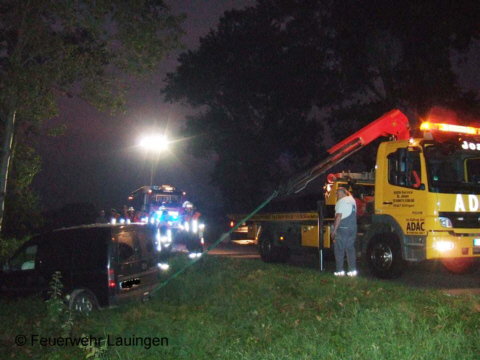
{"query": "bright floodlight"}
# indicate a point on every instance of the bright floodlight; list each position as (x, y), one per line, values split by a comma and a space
(155, 143)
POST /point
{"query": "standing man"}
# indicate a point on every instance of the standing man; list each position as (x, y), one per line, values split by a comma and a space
(344, 232)
(193, 229)
(101, 219)
(114, 216)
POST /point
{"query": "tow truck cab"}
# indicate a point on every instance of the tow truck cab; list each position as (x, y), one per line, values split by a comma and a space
(427, 191)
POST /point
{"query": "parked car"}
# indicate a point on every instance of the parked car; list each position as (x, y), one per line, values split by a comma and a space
(101, 265)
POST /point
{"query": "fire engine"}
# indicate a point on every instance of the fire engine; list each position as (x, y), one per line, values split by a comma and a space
(420, 203)
(155, 199)
(173, 229)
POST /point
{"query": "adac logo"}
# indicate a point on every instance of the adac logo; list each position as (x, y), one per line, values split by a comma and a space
(473, 204)
(415, 226)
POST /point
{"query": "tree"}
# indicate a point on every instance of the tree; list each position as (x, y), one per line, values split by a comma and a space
(398, 55)
(23, 211)
(57, 48)
(257, 119)
(259, 77)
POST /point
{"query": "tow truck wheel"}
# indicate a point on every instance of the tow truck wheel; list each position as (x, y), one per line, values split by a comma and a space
(459, 266)
(266, 248)
(384, 256)
(269, 252)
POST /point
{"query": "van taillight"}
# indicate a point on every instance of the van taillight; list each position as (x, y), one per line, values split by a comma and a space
(111, 278)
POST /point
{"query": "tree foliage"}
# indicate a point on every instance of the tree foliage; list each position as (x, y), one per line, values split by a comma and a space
(398, 55)
(84, 48)
(78, 48)
(261, 74)
(23, 205)
(257, 116)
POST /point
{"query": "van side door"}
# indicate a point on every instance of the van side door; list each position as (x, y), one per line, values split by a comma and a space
(90, 261)
(55, 254)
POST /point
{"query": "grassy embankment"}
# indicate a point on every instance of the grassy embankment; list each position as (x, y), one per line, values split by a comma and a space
(244, 309)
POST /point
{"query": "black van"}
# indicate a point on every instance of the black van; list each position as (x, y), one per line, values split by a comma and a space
(101, 265)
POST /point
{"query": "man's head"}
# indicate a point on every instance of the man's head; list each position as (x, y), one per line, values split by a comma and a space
(188, 206)
(342, 192)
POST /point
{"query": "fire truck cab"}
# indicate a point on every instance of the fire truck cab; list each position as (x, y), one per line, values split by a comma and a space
(151, 198)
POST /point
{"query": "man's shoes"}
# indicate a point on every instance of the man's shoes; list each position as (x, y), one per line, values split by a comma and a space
(339, 273)
(352, 273)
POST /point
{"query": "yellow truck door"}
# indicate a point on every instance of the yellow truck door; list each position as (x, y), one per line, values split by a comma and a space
(401, 186)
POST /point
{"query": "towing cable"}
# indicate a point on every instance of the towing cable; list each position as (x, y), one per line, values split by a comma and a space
(215, 244)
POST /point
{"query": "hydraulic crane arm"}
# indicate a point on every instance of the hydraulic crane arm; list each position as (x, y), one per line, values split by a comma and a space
(393, 123)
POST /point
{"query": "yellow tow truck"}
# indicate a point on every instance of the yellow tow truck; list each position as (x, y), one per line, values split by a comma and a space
(421, 202)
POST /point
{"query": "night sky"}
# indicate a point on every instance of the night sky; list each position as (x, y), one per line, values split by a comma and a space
(98, 159)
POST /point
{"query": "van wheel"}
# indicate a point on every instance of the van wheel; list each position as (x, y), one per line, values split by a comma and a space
(83, 302)
(459, 266)
(384, 256)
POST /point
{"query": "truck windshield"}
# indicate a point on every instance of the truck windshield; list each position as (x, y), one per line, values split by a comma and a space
(163, 199)
(452, 169)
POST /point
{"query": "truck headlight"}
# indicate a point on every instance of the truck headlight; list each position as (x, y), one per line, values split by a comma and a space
(443, 246)
(445, 222)
(163, 266)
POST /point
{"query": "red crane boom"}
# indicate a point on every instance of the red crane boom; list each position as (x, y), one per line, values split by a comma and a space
(393, 123)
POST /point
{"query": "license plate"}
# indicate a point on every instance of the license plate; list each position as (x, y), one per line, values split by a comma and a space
(476, 242)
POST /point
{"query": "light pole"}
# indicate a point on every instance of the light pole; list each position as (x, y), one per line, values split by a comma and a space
(155, 144)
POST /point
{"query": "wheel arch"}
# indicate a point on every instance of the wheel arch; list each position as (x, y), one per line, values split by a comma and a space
(269, 229)
(384, 224)
(269, 248)
(78, 291)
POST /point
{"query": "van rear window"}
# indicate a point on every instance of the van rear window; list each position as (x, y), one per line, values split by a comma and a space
(126, 250)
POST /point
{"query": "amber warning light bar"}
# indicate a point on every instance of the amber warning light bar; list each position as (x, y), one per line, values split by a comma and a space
(428, 126)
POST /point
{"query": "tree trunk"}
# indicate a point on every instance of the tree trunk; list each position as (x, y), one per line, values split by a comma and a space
(5, 165)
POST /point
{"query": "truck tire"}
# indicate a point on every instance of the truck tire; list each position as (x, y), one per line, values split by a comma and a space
(269, 251)
(459, 266)
(384, 256)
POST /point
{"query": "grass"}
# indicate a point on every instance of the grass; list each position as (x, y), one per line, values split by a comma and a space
(245, 309)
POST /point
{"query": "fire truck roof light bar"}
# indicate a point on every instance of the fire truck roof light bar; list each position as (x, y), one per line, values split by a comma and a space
(428, 126)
